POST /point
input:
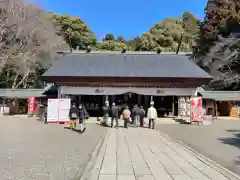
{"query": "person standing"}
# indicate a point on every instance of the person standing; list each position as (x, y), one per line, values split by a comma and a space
(133, 114)
(152, 115)
(106, 113)
(137, 116)
(114, 114)
(142, 115)
(203, 115)
(126, 116)
(73, 115)
(83, 115)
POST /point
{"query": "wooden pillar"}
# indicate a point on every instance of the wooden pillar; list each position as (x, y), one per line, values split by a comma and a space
(113, 99)
(179, 106)
(173, 106)
(146, 101)
(59, 92)
(4, 102)
(216, 109)
(16, 106)
(139, 99)
(103, 100)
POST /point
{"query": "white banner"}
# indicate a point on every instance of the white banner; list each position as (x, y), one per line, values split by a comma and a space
(58, 110)
(52, 110)
(63, 108)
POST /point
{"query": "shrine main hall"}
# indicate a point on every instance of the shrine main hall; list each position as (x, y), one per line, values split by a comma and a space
(130, 78)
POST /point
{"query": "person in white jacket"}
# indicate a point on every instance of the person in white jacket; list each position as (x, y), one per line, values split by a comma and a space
(152, 115)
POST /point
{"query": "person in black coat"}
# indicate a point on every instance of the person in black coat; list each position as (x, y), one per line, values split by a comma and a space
(142, 115)
(133, 114)
(73, 114)
(114, 114)
(83, 115)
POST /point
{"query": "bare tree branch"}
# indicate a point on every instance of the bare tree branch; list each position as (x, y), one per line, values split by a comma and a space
(26, 34)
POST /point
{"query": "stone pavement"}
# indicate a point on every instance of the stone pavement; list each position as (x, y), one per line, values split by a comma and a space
(32, 150)
(219, 141)
(145, 154)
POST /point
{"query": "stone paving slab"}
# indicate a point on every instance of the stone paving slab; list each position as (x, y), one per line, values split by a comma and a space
(32, 150)
(145, 154)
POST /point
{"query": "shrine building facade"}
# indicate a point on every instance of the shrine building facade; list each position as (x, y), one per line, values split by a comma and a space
(126, 78)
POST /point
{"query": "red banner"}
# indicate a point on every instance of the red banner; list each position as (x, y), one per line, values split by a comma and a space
(31, 104)
(196, 108)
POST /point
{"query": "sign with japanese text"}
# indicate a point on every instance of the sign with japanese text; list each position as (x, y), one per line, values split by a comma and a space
(63, 110)
(52, 111)
(58, 110)
(31, 104)
(196, 109)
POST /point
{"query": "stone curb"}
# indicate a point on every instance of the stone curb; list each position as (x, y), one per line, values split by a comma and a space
(225, 172)
(86, 173)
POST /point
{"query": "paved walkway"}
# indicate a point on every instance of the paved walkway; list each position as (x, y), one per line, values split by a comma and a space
(32, 150)
(219, 141)
(144, 154)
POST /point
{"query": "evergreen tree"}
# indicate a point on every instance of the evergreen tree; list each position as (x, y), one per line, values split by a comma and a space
(109, 37)
(218, 45)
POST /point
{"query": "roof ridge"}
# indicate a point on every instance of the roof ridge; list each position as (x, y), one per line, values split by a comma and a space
(21, 89)
(126, 53)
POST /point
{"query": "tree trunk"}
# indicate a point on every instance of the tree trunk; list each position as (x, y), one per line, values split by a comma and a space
(15, 81)
(7, 78)
(70, 43)
(25, 77)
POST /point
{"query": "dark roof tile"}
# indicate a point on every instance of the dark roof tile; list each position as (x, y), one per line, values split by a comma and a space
(125, 65)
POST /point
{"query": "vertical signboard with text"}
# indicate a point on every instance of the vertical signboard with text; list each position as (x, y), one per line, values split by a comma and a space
(196, 109)
(184, 108)
(31, 104)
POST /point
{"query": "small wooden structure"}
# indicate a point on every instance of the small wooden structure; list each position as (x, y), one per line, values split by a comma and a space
(221, 103)
(17, 99)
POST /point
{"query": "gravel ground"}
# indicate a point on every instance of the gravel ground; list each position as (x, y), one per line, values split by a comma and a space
(219, 141)
(31, 150)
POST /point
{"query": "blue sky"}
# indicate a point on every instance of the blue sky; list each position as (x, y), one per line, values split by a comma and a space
(128, 18)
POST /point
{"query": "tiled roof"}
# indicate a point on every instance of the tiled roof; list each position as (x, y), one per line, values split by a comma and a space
(21, 93)
(125, 65)
(220, 95)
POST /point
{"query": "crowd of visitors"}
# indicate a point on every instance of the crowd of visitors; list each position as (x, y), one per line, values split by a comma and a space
(135, 116)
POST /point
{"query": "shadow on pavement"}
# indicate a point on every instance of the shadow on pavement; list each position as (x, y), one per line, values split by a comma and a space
(76, 130)
(122, 126)
(237, 160)
(234, 130)
(234, 140)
